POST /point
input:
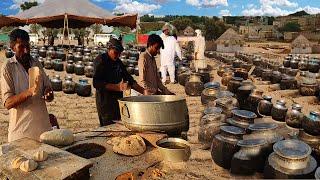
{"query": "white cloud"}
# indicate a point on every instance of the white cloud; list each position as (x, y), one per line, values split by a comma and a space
(132, 6)
(310, 10)
(225, 12)
(196, 3)
(284, 3)
(265, 11)
(207, 3)
(270, 8)
(135, 7)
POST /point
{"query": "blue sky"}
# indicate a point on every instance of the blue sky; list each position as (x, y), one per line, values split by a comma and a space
(193, 7)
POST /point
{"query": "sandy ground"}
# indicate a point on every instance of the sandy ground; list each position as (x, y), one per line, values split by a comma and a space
(79, 113)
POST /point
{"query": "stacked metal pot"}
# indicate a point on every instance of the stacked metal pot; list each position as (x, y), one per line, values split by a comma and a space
(291, 159)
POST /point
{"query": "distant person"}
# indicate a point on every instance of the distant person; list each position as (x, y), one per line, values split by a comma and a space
(79, 40)
(88, 40)
(111, 79)
(167, 55)
(28, 115)
(44, 41)
(199, 45)
(51, 39)
(148, 73)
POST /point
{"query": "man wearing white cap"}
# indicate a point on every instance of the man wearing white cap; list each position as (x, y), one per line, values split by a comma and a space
(167, 54)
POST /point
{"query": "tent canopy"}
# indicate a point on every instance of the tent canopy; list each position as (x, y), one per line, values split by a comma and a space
(10, 21)
(79, 13)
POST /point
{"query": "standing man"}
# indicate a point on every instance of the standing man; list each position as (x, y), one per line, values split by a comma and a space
(51, 39)
(167, 54)
(111, 79)
(199, 45)
(199, 48)
(148, 73)
(27, 110)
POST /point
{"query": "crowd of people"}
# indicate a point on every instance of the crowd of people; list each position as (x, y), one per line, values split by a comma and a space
(27, 108)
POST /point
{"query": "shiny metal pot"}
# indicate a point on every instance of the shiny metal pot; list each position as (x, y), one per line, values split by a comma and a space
(155, 113)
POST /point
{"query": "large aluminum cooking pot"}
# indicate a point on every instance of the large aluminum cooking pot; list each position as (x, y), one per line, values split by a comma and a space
(155, 113)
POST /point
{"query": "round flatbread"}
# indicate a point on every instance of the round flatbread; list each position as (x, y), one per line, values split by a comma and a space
(132, 145)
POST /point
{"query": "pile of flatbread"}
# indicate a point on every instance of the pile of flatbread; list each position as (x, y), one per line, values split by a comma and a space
(28, 165)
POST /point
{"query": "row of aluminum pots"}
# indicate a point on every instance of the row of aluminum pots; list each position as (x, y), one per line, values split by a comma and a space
(308, 86)
(247, 96)
(81, 88)
(78, 68)
(193, 81)
(55, 52)
(303, 64)
(245, 155)
(228, 149)
(293, 117)
(131, 64)
(87, 57)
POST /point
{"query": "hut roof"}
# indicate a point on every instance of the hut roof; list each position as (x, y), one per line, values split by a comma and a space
(301, 41)
(230, 37)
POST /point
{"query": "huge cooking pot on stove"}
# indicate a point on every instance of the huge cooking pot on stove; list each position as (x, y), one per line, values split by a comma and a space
(155, 113)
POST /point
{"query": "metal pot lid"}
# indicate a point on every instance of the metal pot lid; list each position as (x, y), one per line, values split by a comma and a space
(212, 85)
(240, 124)
(317, 174)
(212, 110)
(281, 102)
(237, 79)
(273, 160)
(222, 94)
(247, 87)
(292, 149)
(232, 130)
(251, 142)
(266, 97)
(244, 113)
(262, 126)
(296, 106)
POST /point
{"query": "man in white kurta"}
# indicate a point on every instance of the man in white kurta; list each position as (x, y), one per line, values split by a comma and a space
(28, 115)
(167, 54)
(199, 45)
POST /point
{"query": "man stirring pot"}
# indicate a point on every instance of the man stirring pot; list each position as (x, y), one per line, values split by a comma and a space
(111, 79)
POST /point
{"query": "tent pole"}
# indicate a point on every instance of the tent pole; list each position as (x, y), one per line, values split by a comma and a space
(68, 30)
(64, 28)
(137, 30)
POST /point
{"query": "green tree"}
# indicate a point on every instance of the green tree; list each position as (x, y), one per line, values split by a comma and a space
(290, 27)
(35, 28)
(182, 23)
(80, 32)
(96, 28)
(6, 29)
(28, 5)
(213, 29)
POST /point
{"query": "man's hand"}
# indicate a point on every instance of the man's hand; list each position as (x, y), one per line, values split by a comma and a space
(149, 92)
(48, 94)
(123, 86)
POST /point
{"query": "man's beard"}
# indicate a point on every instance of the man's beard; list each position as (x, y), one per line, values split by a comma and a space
(24, 58)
